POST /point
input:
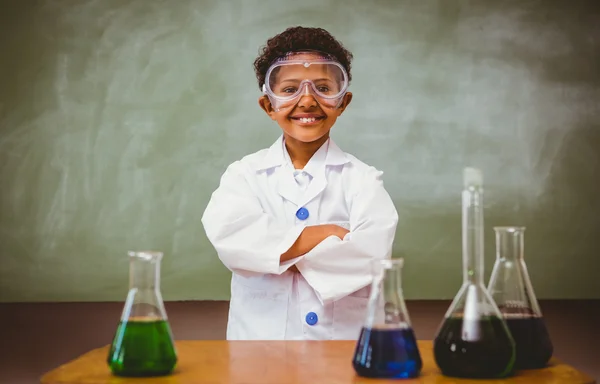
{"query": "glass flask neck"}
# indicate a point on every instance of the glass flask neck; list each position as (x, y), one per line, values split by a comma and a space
(144, 300)
(509, 283)
(391, 273)
(392, 287)
(144, 270)
(386, 304)
(472, 234)
(509, 243)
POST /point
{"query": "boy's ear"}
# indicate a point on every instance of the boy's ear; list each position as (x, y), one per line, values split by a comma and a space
(265, 105)
(345, 102)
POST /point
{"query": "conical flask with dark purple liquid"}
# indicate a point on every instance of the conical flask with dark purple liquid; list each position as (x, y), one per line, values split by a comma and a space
(511, 288)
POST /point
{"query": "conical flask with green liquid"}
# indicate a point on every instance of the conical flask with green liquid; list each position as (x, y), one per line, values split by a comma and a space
(143, 343)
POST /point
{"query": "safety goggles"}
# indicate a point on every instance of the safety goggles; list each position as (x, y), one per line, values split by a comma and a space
(305, 73)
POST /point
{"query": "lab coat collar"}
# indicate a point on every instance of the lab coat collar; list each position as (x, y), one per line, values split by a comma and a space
(332, 153)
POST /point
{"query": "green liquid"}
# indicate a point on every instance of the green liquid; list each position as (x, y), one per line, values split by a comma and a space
(142, 348)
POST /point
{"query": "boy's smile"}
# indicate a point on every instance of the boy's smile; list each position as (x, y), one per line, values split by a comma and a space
(307, 122)
(307, 119)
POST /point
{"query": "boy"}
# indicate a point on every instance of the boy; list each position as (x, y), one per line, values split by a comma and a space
(300, 223)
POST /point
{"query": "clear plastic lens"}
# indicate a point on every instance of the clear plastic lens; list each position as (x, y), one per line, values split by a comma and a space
(289, 79)
(325, 80)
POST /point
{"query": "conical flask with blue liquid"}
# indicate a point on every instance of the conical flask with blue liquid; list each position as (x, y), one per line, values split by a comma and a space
(387, 345)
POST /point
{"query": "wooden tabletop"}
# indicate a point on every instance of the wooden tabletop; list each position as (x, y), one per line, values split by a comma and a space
(281, 362)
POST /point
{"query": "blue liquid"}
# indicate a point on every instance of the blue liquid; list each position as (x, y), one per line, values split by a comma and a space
(387, 353)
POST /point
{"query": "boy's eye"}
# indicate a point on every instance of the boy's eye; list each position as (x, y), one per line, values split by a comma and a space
(289, 90)
(323, 88)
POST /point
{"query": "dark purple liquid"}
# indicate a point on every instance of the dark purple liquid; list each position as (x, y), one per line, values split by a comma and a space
(474, 348)
(387, 353)
(534, 348)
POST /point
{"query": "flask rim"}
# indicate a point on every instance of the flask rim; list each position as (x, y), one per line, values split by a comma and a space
(395, 262)
(510, 228)
(146, 255)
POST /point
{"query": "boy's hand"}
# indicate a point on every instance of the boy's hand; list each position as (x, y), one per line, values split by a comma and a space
(310, 237)
(338, 231)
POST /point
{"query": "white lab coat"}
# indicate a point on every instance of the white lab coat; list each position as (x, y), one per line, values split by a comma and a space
(251, 220)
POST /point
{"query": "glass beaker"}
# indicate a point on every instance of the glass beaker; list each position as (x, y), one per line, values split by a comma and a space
(473, 340)
(387, 346)
(511, 289)
(143, 343)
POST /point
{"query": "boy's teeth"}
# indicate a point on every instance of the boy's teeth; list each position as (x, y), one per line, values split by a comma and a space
(307, 119)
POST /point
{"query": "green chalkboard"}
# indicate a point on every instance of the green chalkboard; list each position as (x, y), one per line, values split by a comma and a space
(117, 119)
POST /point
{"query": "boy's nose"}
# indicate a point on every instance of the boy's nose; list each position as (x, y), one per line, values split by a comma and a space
(307, 99)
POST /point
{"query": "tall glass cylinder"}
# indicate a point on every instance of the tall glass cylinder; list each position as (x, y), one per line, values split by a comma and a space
(473, 340)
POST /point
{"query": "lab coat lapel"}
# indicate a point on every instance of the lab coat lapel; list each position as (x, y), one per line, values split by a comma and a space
(287, 186)
(328, 154)
(316, 168)
(316, 186)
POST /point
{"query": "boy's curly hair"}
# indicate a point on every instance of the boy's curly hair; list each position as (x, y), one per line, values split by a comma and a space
(297, 39)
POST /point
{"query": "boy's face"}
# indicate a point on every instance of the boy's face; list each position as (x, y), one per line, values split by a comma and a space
(307, 120)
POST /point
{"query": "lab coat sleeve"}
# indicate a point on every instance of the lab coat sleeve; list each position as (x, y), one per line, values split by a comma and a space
(247, 240)
(335, 268)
